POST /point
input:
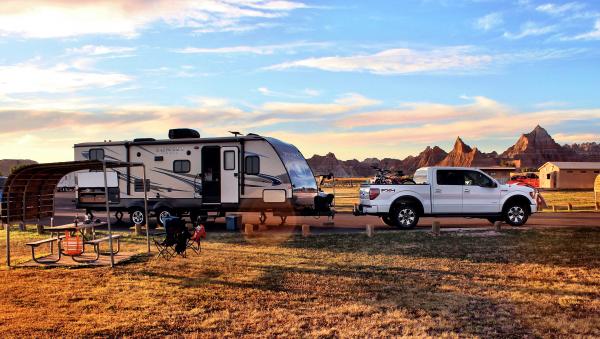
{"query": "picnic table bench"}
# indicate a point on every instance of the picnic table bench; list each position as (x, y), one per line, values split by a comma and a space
(35, 244)
(96, 243)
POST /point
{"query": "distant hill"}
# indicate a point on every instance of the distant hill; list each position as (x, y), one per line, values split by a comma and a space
(6, 165)
(531, 150)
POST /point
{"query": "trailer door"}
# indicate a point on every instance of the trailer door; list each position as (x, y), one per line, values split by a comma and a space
(229, 175)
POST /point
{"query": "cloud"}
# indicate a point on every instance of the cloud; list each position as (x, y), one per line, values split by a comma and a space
(33, 78)
(306, 93)
(413, 113)
(65, 18)
(530, 29)
(347, 103)
(289, 48)
(95, 50)
(489, 21)
(396, 135)
(591, 35)
(396, 61)
(554, 9)
(576, 138)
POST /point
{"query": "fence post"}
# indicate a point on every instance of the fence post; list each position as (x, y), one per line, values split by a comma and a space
(553, 208)
(248, 229)
(138, 229)
(435, 228)
(305, 230)
(370, 230)
(570, 207)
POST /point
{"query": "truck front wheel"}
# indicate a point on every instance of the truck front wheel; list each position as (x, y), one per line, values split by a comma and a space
(516, 214)
(405, 215)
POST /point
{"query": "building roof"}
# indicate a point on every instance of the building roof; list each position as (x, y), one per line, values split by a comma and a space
(574, 164)
(497, 168)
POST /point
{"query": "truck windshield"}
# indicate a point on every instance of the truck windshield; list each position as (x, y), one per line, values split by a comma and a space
(300, 173)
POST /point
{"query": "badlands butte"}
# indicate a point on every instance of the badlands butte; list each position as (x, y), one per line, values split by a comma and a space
(531, 150)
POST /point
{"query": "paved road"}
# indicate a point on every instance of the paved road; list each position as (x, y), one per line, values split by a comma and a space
(347, 222)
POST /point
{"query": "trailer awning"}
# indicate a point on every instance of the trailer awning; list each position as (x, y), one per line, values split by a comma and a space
(28, 193)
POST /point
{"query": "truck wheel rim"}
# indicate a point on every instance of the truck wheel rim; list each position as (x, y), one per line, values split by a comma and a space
(163, 215)
(516, 214)
(138, 217)
(406, 217)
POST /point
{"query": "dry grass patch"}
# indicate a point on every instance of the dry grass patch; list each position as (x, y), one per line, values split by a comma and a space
(523, 283)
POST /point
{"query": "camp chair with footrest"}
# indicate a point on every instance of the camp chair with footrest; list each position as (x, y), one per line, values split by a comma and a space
(193, 243)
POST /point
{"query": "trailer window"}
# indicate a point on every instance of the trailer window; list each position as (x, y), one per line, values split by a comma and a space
(229, 160)
(181, 166)
(252, 165)
(96, 154)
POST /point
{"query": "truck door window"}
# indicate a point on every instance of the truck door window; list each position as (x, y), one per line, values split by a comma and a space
(450, 177)
(474, 178)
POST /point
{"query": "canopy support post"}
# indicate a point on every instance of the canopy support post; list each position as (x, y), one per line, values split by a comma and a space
(110, 239)
(146, 209)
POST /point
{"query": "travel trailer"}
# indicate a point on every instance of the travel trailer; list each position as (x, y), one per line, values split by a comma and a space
(202, 177)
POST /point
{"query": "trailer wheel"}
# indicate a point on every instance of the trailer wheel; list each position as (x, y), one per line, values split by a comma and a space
(163, 213)
(389, 221)
(406, 215)
(137, 216)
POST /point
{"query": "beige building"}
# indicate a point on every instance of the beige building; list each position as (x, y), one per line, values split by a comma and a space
(569, 175)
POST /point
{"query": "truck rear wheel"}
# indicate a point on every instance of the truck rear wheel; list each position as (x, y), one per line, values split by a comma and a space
(406, 215)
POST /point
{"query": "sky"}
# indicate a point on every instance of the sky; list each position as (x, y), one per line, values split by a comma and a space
(357, 78)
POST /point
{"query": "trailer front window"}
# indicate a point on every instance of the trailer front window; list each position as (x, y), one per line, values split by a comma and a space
(300, 173)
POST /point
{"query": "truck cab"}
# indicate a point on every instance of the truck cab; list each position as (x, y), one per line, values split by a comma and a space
(448, 192)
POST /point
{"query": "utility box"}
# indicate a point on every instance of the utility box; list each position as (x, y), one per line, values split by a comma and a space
(233, 222)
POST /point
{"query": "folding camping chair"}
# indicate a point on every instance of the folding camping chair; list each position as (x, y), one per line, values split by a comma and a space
(193, 243)
(175, 239)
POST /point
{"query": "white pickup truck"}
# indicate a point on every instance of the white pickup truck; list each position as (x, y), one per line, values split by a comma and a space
(447, 192)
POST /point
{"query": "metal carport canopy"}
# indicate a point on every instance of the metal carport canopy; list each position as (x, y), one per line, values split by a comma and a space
(29, 191)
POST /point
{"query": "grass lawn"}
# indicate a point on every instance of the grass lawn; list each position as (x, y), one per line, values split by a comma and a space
(519, 283)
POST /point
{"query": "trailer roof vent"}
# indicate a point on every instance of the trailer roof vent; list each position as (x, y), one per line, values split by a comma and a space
(183, 133)
(143, 139)
(252, 135)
